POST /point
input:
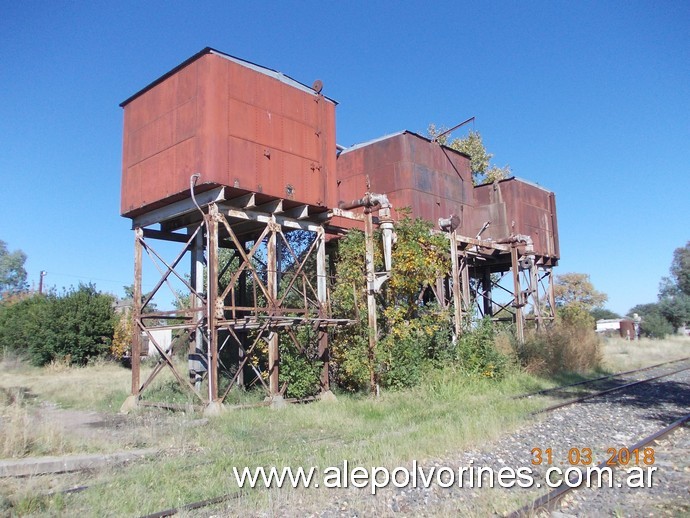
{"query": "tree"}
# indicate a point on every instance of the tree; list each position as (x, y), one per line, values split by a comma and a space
(653, 324)
(12, 272)
(674, 291)
(680, 268)
(675, 309)
(576, 289)
(603, 313)
(480, 160)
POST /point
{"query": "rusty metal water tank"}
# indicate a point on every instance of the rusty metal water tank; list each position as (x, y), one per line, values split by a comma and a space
(515, 206)
(432, 180)
(235, 123)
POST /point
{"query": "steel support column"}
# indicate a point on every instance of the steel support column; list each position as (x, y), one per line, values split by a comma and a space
(136, 314)
(551, 295)
(272, 286)
(517, 294)
(534, 290)
(212, 302)
(465, 289)
(196, 345)
(322, 296)
(455, 272)
(371, 296)
(487, 305)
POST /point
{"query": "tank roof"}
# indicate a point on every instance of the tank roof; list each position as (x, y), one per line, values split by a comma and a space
(397, 134)
(253, 66)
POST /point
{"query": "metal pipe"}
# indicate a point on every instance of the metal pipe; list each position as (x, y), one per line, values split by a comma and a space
(371, 299)
(435, 139)
(369, 200)
(481, 231)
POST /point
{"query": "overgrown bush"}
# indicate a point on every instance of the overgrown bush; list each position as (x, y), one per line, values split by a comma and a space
(655, 325)
(72, 327)
(477, 353)
(570, 345)
(25, 322)
(300, 369)
(411, 331)
(350, 360)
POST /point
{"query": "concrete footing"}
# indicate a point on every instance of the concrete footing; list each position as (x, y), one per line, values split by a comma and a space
(44, 465)
(131, 403)
(276, 401)
(327, 396)
(214, 408)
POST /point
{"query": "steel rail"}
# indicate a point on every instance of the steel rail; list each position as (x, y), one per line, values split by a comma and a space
(584, 382)
(196, 505)
(549, 500)
(607, 391)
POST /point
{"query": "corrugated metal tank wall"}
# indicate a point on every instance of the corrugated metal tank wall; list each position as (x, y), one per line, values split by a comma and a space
(238, 125)
(517, 207)
(433, 181)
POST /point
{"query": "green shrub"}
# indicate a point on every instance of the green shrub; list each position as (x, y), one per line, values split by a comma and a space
(350, 362)
(411, 333)
(72, 327)
(655, 325)
(477, 353)
(301, 370)
(25, 323)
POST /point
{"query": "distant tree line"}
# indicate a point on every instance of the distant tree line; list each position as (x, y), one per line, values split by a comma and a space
(12, 272)
(672, 308)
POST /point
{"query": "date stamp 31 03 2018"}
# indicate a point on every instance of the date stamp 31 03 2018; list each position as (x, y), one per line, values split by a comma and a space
(586, 457)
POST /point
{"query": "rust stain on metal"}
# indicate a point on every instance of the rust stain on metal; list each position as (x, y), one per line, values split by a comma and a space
(517, 207)
(414, 172)
(234, 123)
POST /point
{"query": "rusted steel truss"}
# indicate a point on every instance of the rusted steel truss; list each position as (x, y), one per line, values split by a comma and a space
(502, 281)
(248, 284)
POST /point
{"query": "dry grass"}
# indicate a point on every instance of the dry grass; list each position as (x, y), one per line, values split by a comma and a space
(102, 386)
(562, 348)
(621, 355)
(22, 434)
(61, 409)
(448, 413)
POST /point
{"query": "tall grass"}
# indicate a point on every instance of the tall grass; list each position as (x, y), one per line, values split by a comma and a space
(560, 348)
(22, 434)
(100, 386)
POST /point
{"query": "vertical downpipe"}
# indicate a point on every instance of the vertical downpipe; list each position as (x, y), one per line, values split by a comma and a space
(371, 299)
(211, 299)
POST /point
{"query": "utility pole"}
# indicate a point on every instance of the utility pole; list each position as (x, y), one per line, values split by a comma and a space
(40, 282)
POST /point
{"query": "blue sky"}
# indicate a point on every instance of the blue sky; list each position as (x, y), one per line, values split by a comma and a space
(588, 99)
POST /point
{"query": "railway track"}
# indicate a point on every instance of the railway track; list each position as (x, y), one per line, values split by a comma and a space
(598, 380)
(641, 409)
(549, 501)
(617, 388)
(552, 499)
(659, 390)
